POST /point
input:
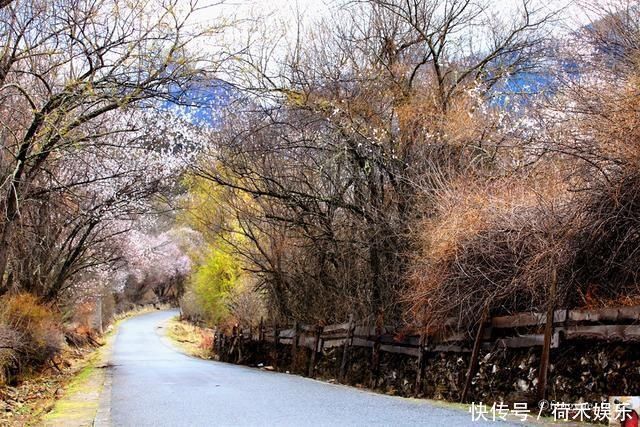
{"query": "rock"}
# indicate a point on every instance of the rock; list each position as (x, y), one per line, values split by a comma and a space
(532, 374)
(523, 385)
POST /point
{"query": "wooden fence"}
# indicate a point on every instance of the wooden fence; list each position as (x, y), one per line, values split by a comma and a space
(523, 330)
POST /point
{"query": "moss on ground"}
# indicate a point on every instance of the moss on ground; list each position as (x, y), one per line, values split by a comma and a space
(79, 404)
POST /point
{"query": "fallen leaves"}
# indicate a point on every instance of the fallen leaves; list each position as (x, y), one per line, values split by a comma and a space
(25, 403)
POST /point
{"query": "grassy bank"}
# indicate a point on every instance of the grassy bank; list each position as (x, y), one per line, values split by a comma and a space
(190, 339)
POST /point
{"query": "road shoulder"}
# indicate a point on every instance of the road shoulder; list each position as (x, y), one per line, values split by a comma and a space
(87, 398)
(81, 400)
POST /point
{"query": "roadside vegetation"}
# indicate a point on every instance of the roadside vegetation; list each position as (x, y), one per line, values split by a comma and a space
(189, 338)
(35, 395)
(95, 135)
(410, 163)
(66, 386)
(406, 163)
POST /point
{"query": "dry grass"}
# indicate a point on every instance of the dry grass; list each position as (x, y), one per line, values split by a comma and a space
(607, 263)
(492, 246)
(191, 339)
(30, 335)
(495, 244)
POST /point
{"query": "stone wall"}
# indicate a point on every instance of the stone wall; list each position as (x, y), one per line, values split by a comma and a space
(579, 371)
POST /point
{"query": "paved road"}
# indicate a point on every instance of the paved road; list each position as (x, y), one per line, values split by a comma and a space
(154, 385)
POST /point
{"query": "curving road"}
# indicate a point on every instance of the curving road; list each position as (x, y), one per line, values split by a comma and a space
(154, 385)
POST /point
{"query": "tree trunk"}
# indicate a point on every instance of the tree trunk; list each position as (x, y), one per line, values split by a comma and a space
(6, 234)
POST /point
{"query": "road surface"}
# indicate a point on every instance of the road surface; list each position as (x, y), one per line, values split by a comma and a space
(152, 384)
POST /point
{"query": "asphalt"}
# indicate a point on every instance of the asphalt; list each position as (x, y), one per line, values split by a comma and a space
(152, 384)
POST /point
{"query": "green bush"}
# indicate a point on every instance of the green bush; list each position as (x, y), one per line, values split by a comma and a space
(210, 286)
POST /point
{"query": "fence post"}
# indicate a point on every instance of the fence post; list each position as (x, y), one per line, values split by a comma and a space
(345, 349)
(240, 343)
(421, 363)
(316, 343)
(548, 334)
(276, 338)
(475, 353)
(99, 315)
(234, 341)
(375, 356)
(223, 345)
(294, 344)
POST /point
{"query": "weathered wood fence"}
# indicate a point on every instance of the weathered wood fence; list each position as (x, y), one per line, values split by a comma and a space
(523, 330)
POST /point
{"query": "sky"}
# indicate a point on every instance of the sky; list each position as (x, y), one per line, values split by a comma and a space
(286, 10)
(283, 8)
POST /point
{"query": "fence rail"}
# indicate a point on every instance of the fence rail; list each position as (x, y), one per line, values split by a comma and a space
(522, 330)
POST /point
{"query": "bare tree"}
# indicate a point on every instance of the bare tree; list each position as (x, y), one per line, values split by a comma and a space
(365, 116)
(67, 69)
(66, 65)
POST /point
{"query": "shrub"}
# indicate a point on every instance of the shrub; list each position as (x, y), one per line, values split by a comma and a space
(607, 264)
(246, 305)
(10, 349)
(190, 308)
(496, 247)
(491, 246)
(211, 284)
(31, 330)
